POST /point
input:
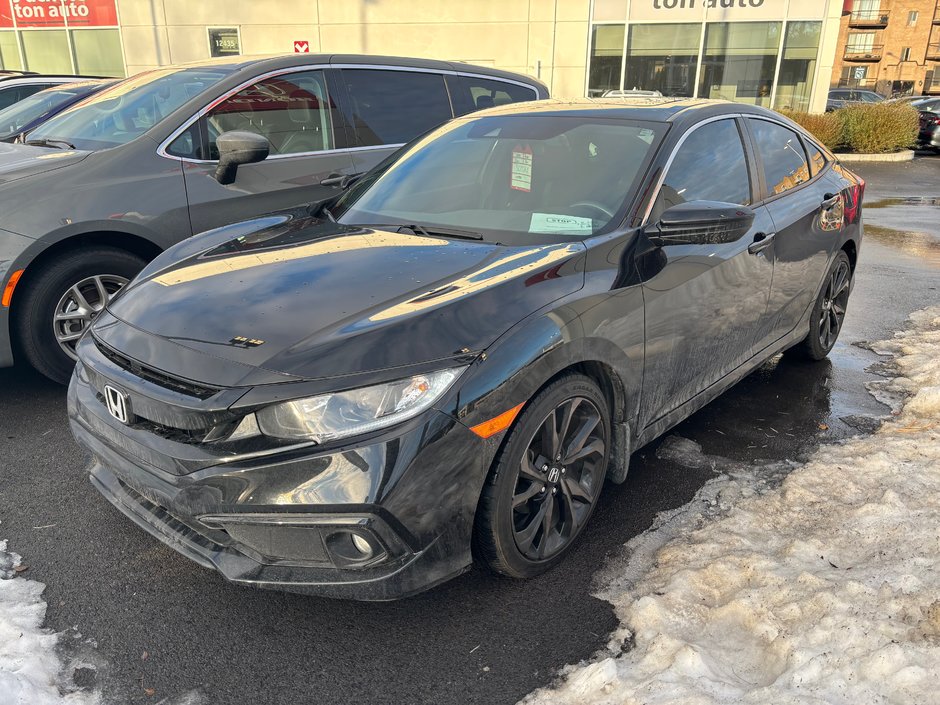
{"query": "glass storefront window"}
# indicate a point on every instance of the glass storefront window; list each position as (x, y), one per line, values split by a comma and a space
(797, 66)
(606, 58)
(98, 52)
(739, 61)
(663, 57)
(46, 50)
(9, 52)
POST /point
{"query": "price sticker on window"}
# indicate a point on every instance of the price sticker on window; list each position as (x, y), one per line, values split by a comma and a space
(520, 177)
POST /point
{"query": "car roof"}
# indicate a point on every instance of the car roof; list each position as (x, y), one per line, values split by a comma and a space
(283, 61)
(651, 109)
(29, 79)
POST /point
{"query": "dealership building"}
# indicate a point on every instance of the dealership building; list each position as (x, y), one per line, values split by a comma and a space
(777, 53)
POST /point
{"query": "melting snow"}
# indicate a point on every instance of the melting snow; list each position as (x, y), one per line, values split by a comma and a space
(820, 588)
(30, 670)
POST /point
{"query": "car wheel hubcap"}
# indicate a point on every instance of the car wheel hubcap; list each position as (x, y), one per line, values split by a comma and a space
(835, 299)
(559, 479)
(79, 305)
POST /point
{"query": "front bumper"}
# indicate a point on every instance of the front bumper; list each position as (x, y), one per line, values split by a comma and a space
(285, 520)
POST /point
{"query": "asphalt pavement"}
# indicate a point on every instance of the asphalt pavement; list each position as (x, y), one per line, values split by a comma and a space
(146, 625)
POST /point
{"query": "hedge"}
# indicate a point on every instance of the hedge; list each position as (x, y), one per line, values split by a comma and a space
(869, 128)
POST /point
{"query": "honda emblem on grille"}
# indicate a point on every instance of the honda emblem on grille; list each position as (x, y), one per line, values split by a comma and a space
(117, 403)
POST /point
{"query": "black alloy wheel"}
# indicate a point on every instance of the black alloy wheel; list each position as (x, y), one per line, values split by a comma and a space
(547, 479)
(835, 299)
(828, 313)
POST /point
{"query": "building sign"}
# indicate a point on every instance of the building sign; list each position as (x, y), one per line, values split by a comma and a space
(301, 47)
(723, 10)
(57, 13)
(224, 41)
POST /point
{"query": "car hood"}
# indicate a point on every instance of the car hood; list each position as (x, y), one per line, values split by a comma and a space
(21, 160)
(307, 299)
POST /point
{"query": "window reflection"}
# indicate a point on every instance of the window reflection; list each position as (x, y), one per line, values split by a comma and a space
(739, 60)
(797, 66)
(663, 57)
(606, 58)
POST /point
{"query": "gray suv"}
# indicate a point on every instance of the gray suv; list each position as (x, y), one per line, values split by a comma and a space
(105, 186)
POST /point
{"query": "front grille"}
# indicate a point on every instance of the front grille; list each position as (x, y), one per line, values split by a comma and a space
(161, 379)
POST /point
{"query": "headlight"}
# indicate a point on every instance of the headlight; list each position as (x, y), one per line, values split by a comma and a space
(349, 413)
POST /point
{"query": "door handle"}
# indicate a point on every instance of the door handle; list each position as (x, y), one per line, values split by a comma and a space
(333, 180)
(341, 180)
(761, 242)
(831, 200)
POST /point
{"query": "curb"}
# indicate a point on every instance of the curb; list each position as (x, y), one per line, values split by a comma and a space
(905, 156)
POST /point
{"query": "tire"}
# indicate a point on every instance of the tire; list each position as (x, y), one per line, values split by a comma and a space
(514, 541)
(828, 311)
(49, 289)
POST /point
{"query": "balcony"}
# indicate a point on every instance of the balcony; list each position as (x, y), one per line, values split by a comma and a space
(869, 18)
(933, 52)
(863, 53)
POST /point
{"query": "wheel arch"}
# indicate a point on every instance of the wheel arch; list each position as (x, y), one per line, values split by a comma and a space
(129, 242)
(851, 250)
(534, 356)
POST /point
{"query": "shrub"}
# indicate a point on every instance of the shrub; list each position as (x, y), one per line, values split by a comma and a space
(826, 127)
(870, 128)
(873, 128)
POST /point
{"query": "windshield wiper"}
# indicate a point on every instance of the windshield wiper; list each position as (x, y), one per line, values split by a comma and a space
(432, 230)
(58, 144)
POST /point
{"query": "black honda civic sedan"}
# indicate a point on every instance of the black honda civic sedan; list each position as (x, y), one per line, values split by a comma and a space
(360, 398)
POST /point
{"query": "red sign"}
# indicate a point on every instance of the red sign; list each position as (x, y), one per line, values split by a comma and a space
(58, 13)
(301, 47)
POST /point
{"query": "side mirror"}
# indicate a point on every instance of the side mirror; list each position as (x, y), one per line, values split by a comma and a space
(701, 223)
(239, 148)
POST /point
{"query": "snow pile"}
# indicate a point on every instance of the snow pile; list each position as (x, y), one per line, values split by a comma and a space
(822, 589)
(29, 666)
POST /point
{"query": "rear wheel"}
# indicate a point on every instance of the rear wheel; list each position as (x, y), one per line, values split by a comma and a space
(545, 483)
(61, 300)
(828, 312)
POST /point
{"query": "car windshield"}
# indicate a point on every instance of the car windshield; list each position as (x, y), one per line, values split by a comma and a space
(543, 175)
(128, 109)
(20, 114)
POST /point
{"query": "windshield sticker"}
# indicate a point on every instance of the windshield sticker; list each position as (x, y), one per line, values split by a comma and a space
(553, 223)
(520, 178)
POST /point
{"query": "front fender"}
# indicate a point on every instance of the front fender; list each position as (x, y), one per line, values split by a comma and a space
(522, 361)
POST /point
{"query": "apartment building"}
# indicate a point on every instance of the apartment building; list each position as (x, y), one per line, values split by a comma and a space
(889, 46)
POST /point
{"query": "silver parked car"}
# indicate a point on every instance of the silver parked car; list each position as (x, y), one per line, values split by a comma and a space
(103, 187)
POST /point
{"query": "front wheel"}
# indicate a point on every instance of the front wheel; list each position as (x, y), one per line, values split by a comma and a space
(61, 300)
(828, 312)
(545, 483)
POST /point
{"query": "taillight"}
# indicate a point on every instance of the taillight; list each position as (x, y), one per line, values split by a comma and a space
(856, 193)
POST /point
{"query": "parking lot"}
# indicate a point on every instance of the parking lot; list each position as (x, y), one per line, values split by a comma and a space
(144, 624)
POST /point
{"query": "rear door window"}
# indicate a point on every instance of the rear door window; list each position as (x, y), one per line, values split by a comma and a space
(293, 111)
(781, 153)
(391, 107)
(476, 93)
(711, 150)
(15, 94)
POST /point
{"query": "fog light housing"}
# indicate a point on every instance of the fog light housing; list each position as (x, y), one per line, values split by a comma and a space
(351, 547)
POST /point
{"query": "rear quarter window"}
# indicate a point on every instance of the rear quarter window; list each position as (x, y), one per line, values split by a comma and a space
(472, 93)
